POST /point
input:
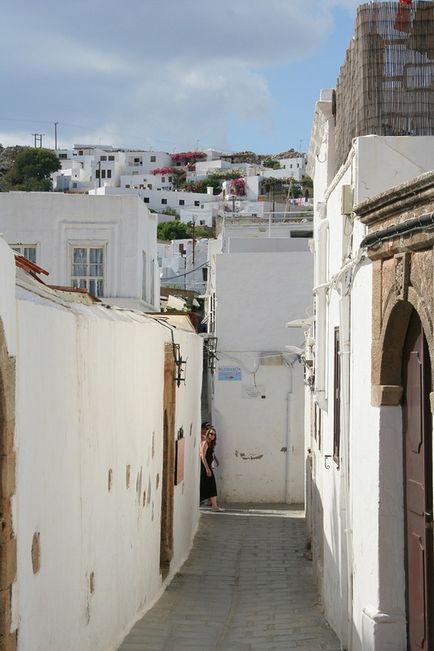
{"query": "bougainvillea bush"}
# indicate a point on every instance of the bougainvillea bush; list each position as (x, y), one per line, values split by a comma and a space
(185, 157)
(238, 187)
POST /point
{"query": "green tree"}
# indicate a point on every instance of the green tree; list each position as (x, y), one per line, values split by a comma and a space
(174, 230)
(271, 164)
(177, 230)
(31, 171)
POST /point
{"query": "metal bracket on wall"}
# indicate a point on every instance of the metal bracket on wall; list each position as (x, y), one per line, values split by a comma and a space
(179, 363)
(326, 461)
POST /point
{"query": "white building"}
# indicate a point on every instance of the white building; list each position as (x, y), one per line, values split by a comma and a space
(355, 482)
(92, 425)
(88, 167)
(259, 281)
(161, 199)
(183, 265)
(107, 245)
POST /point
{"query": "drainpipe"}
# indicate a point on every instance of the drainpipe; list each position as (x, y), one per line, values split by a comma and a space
(288, 454)
(345, 361)
(321, 293)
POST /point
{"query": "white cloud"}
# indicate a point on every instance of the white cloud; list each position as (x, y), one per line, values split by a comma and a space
(176, 70)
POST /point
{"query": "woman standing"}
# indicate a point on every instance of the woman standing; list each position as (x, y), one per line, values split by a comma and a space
(208, 488)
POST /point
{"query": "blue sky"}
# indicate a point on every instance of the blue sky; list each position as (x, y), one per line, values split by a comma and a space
(174, 75)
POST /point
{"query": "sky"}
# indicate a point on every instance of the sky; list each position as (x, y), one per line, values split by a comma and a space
(169, 75)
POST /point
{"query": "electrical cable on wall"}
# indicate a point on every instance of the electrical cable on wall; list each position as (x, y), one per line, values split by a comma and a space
(186, 273)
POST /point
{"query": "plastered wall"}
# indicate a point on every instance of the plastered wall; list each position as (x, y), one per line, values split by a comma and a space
(89, 452)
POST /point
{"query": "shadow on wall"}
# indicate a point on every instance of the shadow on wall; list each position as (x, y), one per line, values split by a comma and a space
(328, 556)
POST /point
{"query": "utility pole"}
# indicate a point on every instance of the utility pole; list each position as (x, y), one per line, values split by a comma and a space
(55, 136)
(38, 139)
(194, 241)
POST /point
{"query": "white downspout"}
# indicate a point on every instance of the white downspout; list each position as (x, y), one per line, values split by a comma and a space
(345, 341)
(321, 292)
(288, 454)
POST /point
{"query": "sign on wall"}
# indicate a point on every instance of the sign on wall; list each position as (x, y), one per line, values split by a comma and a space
(229, 373)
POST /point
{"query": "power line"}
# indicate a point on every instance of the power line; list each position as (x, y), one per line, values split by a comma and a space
(186, 273)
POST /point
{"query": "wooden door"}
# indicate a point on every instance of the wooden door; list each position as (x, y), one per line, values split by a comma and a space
(167, 488)
(418, 487)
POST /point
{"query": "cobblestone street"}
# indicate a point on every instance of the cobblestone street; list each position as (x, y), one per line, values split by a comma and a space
(246, 586)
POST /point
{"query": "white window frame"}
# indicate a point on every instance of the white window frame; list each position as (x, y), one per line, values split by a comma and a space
(75, 280)
(20, 248)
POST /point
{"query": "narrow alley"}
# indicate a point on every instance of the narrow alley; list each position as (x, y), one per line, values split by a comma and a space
(246, 586)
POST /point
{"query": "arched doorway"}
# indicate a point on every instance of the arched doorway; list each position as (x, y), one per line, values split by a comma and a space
(418, 487)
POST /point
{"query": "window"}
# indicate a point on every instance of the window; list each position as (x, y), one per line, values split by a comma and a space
(103, 157)
(109, 174)
(127, 185)
(111, 157)
(146, 199)
(27, 250)
(197, 203)
(153, 159)
(103, 174)
(97, 175)
(201, 222)
(337, 401)
(80, 152)
(163, 201)
(63, 156)
(182, 202)
(163, 179)
(88, 269)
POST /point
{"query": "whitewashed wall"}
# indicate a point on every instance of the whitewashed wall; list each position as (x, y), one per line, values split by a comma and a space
(155, 197)
(56, 222)
(260, 438)
(349, 546)
(89, 399)
(7, 296)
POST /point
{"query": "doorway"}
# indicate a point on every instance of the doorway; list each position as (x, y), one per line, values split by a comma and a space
(168, 471)
(418, 487)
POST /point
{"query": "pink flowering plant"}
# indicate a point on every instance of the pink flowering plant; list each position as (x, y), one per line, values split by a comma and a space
(238, 187)
(186, 157)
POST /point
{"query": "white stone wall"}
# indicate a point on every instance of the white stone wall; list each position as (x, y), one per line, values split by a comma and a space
(155, 198)
(57, 222)
(349, 513)
(259, 415)
(89, 399)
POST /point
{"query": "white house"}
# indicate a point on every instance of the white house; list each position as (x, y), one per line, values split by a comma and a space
(107, 245)
(87, 167)
(183, 264)
(160, 199)
(257, 283)
(355, 504)
(95, 430)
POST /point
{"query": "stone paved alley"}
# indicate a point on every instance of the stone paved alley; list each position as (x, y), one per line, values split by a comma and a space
(246, 586)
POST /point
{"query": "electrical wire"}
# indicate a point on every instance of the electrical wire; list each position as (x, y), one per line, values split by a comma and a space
(186, 273)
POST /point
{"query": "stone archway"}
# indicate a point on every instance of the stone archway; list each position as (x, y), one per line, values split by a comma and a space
(8, 549)
(400, 285)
